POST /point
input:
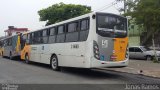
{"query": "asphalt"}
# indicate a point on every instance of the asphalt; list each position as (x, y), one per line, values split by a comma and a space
(40, 76)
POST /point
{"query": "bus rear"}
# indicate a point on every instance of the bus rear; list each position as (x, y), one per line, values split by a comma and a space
(110, 49)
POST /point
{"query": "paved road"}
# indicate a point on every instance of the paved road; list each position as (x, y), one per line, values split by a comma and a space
(17, 72)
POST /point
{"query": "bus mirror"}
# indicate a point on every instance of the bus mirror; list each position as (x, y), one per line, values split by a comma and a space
(94, 16)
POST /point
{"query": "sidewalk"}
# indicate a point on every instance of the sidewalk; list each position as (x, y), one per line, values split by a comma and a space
(143, 67)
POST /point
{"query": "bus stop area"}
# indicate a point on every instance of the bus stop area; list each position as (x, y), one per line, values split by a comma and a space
(143, 67)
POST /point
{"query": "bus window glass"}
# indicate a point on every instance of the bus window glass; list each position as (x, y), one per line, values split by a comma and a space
(111, 26)
(72, 27)
(60, 29)
(23, 40)
(52, 31)
(84, 29)
(51, 39)
(61, 36)
(72, 34)
(45, 38)
(44, 32)
(32, 38)
(84, 24)
(84, 35)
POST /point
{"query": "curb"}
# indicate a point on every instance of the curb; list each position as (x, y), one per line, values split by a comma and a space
(129, 73)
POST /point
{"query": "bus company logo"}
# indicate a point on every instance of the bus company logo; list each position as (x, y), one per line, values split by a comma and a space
(104, 43)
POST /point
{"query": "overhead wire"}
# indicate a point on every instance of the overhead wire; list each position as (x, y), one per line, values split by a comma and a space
(107, 6)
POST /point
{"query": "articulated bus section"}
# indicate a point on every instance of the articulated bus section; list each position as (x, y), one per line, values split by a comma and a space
(11, 46)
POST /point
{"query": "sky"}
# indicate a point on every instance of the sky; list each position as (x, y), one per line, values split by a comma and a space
(24, 13)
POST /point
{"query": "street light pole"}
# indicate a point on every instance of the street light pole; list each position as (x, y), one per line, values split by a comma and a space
(125, 6)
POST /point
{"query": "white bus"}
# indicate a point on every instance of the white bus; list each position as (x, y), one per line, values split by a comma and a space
(89, 41)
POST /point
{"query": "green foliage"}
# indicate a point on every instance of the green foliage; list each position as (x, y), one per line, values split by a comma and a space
(146, 13)
(61, 11)
(155, 60)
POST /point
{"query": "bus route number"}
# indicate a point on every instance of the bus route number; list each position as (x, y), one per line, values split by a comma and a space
(74, 46)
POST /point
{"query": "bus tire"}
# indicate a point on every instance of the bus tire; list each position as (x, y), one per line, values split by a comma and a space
(27, 59)
(54, 63)
(10, 56)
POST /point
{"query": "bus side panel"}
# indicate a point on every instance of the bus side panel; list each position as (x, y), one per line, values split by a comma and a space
(15, 45)
(70, 54)
(26, 50)
(7, 50)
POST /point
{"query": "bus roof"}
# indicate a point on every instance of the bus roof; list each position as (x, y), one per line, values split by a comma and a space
(8, 37)
(72, 19)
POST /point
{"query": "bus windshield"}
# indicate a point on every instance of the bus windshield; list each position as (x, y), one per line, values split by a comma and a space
(111, 26)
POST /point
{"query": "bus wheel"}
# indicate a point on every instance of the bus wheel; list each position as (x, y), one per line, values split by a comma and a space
(54, 63)
(27, 59)
(10, 56)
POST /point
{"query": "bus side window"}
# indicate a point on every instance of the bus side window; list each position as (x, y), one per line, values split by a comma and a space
(40, 37)
(8, 42)
(4, 43)
(32, 38)
(37, 37)
(61, 34)
(45, 37)
(28, 41)
(72, 32)
(52, 35)
(84, 29)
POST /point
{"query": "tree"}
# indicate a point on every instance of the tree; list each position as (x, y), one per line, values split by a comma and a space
(147, 14)
(61, 11)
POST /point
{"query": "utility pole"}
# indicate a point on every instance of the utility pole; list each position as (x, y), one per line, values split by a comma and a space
(125, 6)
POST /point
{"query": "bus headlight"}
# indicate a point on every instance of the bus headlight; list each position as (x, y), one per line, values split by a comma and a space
(96, 50)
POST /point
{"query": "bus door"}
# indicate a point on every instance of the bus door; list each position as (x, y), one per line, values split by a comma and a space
(16, 45)
(35, 55)
(44, 48)
(43, 55)
(35, 48)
